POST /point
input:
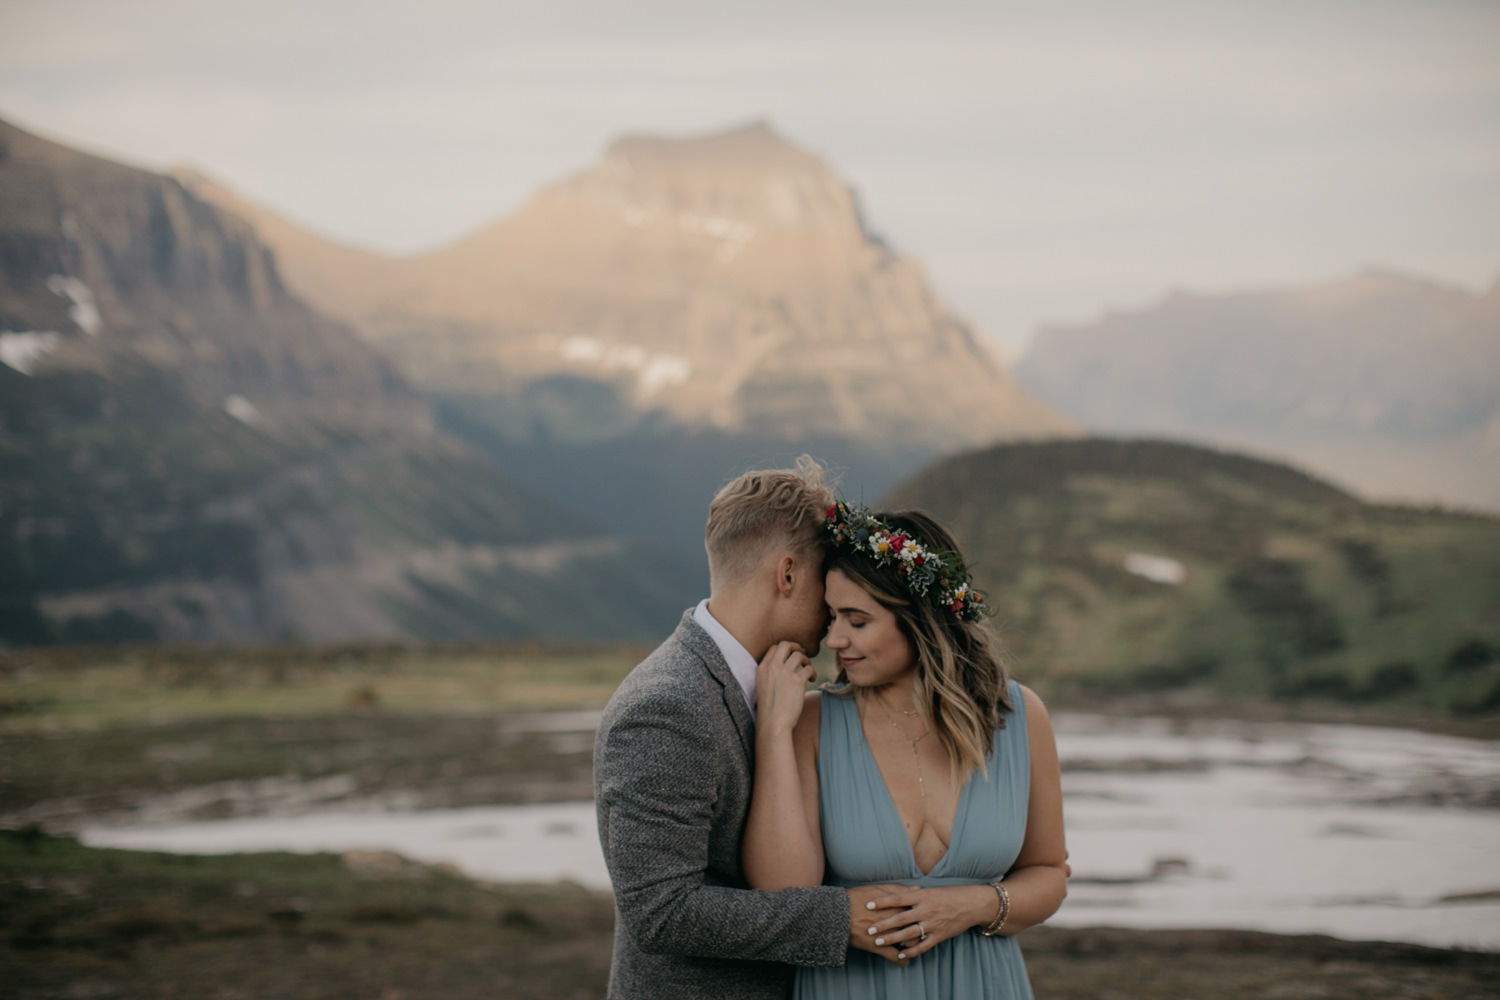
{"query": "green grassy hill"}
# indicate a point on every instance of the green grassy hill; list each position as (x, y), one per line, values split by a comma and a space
(1270, 582)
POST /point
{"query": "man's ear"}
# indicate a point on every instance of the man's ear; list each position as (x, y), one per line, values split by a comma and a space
(786, 574)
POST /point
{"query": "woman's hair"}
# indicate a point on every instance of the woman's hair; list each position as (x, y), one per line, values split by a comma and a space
(762, 510)
(961, 688)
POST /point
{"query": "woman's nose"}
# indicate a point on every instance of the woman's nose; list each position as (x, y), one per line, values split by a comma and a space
(836, 637)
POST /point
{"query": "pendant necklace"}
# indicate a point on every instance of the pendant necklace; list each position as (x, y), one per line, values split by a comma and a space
(891, 718)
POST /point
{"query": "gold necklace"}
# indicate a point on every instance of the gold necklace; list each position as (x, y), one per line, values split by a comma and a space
(921, 782)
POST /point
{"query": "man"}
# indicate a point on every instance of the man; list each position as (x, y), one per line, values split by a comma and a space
(673, 767)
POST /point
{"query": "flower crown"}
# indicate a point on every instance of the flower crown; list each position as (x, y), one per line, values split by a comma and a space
(936, 577)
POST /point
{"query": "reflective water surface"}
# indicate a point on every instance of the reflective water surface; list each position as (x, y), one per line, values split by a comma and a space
(1353, 831)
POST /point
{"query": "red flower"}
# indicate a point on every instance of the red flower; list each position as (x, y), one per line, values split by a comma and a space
(898, 542)
(831, 511)
(918, 560)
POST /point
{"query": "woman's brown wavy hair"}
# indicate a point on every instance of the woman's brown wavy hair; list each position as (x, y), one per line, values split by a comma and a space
(961, 689)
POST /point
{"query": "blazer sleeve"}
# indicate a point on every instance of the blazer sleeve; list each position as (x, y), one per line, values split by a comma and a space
(657, 781)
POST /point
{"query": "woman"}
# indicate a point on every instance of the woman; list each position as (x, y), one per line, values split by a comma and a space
(921, 765)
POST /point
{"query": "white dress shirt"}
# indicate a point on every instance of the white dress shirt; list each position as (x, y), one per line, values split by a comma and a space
(741, 663)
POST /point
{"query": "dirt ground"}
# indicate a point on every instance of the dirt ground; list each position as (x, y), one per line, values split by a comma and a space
(140, 735)
(77, 922)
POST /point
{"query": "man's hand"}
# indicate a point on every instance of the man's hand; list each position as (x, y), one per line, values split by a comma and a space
(862, 916)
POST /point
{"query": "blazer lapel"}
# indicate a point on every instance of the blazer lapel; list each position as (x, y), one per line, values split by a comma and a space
(703, 645)
(734, 700)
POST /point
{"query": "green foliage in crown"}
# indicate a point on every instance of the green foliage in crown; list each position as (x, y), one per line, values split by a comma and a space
(935, 577)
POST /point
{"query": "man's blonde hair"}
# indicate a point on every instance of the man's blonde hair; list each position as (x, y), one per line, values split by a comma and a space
(764, 510)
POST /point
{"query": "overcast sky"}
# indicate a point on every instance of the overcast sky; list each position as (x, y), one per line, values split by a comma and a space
(1044, 161)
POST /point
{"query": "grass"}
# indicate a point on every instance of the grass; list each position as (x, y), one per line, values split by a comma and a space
(68, 688)
(249, 766)
(92, 732)
(1293, 591)
(102, 730)
(115, 732)
(103, 923)
(80, 922)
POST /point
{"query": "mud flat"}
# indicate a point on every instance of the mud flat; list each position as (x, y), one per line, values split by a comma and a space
(181, 770)
(146, 740)
(83, 922)
(1359, 832)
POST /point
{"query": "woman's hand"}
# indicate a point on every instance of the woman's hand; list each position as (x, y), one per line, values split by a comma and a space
(783, 845)
(780, 682)
(901, 918)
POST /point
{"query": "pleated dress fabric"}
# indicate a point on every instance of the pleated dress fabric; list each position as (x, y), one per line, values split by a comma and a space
(864, 841)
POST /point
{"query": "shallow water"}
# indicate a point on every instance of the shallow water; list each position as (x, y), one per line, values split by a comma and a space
(1352, 831)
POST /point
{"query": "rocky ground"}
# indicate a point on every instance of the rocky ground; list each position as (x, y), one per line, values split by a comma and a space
(125, 739)
(80, 922)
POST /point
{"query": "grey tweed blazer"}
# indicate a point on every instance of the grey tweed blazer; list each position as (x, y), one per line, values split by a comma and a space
(672, 783)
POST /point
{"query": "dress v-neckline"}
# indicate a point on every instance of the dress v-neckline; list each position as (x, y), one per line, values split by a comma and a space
(890, 800)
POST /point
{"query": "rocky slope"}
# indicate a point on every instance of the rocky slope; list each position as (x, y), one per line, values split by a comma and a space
(1138, 565)
(728, 282)
(187, 451)
(339, 281)
(1387, 383)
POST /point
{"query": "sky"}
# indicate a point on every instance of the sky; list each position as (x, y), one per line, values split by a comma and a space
(1045, 162)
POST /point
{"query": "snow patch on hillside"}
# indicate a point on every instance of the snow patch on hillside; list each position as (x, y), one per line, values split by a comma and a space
(23, 350)
(653, 372)
(242, 410)
(662, 371)
(1157, 569)
(83, 310)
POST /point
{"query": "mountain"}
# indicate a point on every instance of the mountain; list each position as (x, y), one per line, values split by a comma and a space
(1133, 566)
(189, 452)
(339, 281)
(1387, 383)
(637, 334)
(728, 281)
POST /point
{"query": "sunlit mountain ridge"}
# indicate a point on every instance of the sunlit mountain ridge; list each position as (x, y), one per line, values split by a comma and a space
(728, 282)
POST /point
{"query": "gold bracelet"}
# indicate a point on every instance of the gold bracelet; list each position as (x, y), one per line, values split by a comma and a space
(1001, 914)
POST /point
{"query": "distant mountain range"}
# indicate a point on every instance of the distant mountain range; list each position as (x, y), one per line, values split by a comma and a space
(188, 452)
(727, 281)
(1386, 383)
(1135, 566)
(683, 310)
(518, 436)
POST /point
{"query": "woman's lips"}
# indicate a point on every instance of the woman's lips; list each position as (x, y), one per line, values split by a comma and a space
(845, 661)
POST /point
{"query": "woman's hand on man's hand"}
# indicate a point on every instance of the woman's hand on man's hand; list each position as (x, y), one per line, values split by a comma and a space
(900, 918)
(780, 682)
(863, 907)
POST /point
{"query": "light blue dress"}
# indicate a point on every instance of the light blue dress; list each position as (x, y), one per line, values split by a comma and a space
(864, 841)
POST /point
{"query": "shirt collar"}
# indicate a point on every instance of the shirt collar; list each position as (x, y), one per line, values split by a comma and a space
(740, 662)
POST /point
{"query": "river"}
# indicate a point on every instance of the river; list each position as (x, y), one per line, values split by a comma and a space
(1354, 831)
